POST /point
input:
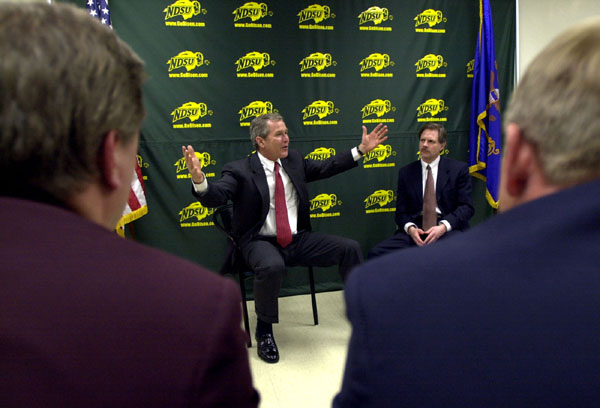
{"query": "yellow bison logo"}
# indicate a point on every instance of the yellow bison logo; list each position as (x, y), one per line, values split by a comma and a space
(184, 8)
(251, 10)
(195, 210)
(375, 14)
(324, 202)
(430, 17)
(381, 197)
(315, 12)
(321, 153)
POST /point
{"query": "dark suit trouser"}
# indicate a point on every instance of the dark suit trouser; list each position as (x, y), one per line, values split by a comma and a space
(268, 261)
(396, 242)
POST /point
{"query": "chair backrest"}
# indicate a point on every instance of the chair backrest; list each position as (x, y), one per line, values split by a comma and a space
(223, 219)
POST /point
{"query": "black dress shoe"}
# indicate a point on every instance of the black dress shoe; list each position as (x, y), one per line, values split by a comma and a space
(267, 349)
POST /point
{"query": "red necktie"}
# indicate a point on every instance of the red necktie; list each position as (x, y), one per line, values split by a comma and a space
(284, 233)
(429, 202)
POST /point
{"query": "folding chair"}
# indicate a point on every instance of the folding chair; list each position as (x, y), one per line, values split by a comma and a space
(234, 264)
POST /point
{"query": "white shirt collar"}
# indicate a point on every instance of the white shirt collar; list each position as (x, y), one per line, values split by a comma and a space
(267, 163)
(433, 164)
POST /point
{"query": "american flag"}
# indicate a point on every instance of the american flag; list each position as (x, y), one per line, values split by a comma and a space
(136, 205)
(99, 9)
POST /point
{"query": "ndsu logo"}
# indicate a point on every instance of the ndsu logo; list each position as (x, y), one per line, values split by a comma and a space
(315, 12)
(377, 107)
(324, 202)
(204, 158)
(432, 106)
(377, 61)
(256, 109)
(316, 60)
(255, 60)
(191, 110)
(319, 108)
(375, 14)
(195, 210)
(185, 8)
(188, 59)
(379, 153)
(321, 153)
(430, 17)
(431, 62)
(252, 10)
(381, 197)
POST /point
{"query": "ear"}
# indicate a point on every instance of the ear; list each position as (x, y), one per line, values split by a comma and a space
(520, 158)
(109, 170)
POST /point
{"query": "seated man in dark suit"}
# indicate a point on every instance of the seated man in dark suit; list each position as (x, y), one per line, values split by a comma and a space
(273, 235)
(450, 203)
(505, 314)
(87, 318)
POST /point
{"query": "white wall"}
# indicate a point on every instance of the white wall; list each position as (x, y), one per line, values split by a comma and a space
(541, 20)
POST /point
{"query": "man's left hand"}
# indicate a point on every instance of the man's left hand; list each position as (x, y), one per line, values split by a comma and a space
(434, 233)
(371, 140)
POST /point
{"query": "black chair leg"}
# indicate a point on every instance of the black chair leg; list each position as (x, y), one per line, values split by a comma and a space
(245, 308)
(313, 297)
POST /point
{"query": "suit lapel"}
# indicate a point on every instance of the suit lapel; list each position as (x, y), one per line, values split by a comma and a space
(260, 180)
(442, 179)
(417, 175)
(292, 174)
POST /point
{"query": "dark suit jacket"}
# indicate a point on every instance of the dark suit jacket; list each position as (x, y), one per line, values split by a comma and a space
(453, 193)
(244, 182)
(503, 315)
(88, 319)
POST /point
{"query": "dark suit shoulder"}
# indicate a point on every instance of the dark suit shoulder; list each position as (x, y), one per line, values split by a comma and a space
(242, 163)
(453, 163)
(410, 167)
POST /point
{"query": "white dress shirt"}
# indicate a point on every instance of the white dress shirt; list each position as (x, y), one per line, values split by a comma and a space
(434, 172)
(269, 228)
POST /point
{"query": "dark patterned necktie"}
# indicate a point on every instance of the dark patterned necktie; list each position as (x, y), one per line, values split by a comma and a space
(429, 202)
(284, 233)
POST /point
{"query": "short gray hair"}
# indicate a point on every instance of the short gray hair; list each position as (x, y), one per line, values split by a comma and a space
(66, 81)
(557, 105)
(259, 127)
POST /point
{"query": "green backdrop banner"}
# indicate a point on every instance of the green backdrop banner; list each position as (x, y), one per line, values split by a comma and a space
(329, 68)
